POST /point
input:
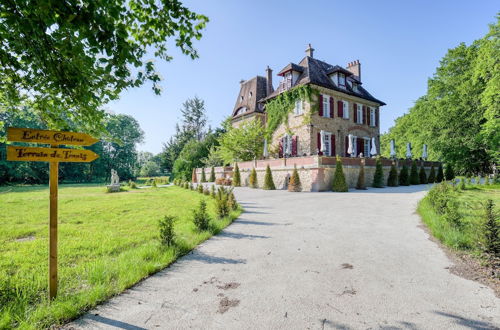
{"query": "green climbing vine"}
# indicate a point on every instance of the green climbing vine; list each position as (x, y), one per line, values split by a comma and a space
(282, 105)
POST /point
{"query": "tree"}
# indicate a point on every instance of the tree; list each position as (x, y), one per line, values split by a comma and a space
(422, 175)
(237, 176)
(440, 174)
(191, 156)
(378, 177)
(448, 173)
(194, 118)
(339, 183)
(212, 175)
(361, 177)
(242, 143)
(491, 229)
(151, 168)
(432, 175)
(414, 179)
(392, 180)
(268, 180)
(65, 59)
(294, 184)
(252, 180)
(203, 177)
(404, 179)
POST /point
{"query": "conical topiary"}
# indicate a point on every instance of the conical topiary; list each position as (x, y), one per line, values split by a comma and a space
(440, 174)
(268, 180)
(422, 175)
(448, 173)
(432, 175)
(252, 180)
(193, 176)
(414, 179)
(378, 176)
(404, 179)
(236, 176)
(392, 180)
(361, 177)
(294, 184)
(339, 184)
(212, 175)
(203, 177)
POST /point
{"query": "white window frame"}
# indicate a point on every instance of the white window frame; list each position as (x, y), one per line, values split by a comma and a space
(372, 117)
(360, 113)
(343, 78)
(346, 109)
(328, 142)
(355, 145)
(326, 106)
(299, 107)
(366, 152)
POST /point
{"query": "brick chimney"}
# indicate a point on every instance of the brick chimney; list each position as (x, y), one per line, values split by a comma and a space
(309, 51)
(269, 81)
(355, 68)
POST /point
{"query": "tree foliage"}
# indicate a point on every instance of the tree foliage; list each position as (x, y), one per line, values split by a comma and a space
(252, 180)
(268, 180)
(404, 178)
(378, 176)
(237, 176)
(414, 178)
(294, 185)
(392, 180)
(242, 143)
(339, 183)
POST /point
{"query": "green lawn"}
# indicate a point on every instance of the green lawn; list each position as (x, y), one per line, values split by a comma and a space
(107, 242)
(470, 201)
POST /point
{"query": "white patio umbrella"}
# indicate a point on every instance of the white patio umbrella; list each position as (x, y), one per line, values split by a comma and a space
(373, 150)
(266, 152)
(424, 152)
(323, 144)
(408, 151)
(393, 149)
(350, 149)
(288, 145)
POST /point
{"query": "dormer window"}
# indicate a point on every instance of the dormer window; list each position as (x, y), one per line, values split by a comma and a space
(287, 80)
(342, 80)
(241, 98)
(355, 87)
(250, 94)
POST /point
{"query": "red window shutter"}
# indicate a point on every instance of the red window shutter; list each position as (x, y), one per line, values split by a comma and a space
(340, 108)
(376, 117)
(332, 145)
(364, 114)
(294, 145)
(319, 144)
(280, 154)
(355, 113)
(321, 105)
(331, 107)
(346, 146)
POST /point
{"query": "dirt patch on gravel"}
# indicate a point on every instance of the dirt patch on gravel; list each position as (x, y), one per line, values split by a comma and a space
(227, 286)
(225, 303)
(347, 266)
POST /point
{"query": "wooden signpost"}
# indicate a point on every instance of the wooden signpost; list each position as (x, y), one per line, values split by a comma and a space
(54, 156)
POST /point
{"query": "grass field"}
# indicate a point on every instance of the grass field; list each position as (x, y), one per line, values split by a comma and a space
(107, 242)
(470, 201)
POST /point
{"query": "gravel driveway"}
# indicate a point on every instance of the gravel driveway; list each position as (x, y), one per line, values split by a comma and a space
(356, 260)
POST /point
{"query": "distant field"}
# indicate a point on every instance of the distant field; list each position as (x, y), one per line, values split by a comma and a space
(107, 242)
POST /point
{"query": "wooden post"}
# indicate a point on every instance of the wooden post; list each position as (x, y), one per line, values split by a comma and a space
(54, 178)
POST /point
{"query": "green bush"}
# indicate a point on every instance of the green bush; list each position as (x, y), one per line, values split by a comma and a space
(440, 174)
(294, 185)
(203, 177)
(132, 184)
(432, 175)
(461, 184)
(392, 180)
(451, 214)
(212, 191)
(206, 192)
(439, 196)
(487, 180)
(268, 180)
(339, 183)
(236, 176)
(478, 179)
(378, 177)
(191, 186)
(212, 175)
(166, 227)
(221, 203)
(361, 177)
(199, 188)
(448, 173)
(422, 175)
(252, 180)
(153, 183)
(231, 201)
(414, 179)
(491, 229)
(404, 179)
(201, 218)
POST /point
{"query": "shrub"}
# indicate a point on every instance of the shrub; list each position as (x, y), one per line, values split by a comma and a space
(199, 188)
(206, 192)
(166, 227)
(252, 180)
(153, 183)
(414, 179)
(392, 180)
(132, 184)
(231, 201)
(478, 179)
(236, 176)
(219, 181)
(294, 184)
(448, 173)
(200, 216)
(439, 196)
(212, 191)
(191, 186)
(451, 214)
(440, 174)
(221, 203)
(404, 179)
(491, 229)
(432, 175)
(422, 175)
(212, 175)
(203, 177)
(487, 180)
(339, 184)
(378, 177)
(188, 185)
(461, 184)
(268, 180)
(193, 176)
(361, 177)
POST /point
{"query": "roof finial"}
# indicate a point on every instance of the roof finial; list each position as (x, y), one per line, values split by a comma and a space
(309, 51)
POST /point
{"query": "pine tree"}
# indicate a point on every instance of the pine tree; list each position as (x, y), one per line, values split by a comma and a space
(268, 180)
(432, 175)
(212, 175)
(404, 180)
(414, 179)
(448, 173)
(422, 175)
(203, 177)
(378, 176)
(392, 180)
(361, 177)
(294, 184)
(252, 180)
(491, 229)
(212, 191)
(440, 174)
(237, 176)
(339, 184)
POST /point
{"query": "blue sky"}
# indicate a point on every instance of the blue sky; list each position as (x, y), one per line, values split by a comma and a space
(399, 45)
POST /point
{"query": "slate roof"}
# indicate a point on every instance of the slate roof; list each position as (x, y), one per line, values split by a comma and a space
(252, 91)
(291, 66)
(316, 72)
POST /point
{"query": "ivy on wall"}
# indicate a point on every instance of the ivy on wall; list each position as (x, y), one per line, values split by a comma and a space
(282, 105)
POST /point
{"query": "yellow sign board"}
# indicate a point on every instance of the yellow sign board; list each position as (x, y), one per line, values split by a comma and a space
(49, 137)
(34, 154)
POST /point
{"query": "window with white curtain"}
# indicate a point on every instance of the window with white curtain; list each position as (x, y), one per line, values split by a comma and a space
(299, 107)
(346, 109)
(360, 114)
(326, 106)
